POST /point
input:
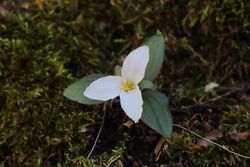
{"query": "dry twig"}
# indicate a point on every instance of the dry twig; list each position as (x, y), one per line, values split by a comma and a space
(208, 140)
(99, 132)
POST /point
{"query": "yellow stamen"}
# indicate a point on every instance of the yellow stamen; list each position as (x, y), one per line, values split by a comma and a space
(127, 86)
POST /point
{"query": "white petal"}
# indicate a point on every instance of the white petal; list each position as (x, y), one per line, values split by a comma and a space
(104, 88)
(135, 64)
(131, 103)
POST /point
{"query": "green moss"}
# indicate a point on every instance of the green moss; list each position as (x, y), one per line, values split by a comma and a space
(44, 50)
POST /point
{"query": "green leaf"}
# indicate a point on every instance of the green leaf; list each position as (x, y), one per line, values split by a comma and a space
(156, 113)
(156, 51)
(147, 84)
(75, 90)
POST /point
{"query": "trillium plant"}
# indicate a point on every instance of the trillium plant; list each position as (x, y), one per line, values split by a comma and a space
(133, 83)
(125, 86)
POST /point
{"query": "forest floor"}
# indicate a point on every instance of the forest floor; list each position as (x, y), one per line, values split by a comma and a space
(47, 45)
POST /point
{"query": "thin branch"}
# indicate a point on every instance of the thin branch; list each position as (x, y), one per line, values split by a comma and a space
(222, 96)
(205, 104)
(99, 132)
(221, 146)
(115, 159)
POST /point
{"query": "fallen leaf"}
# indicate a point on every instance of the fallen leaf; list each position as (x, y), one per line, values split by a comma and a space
(157, 150)
(129, 123)
(213, 135)
(236, 135)
(40, 4)
(209, 87)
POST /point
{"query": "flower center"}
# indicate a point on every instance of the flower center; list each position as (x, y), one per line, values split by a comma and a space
(127, 86)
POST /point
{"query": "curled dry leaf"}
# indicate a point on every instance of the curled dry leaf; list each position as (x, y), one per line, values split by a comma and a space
(209, 87)
(236, 135)
(129, 123)
(213, 135)
(157, 150)
(40, 4)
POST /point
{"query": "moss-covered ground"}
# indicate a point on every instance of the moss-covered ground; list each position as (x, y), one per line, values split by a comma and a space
(46, 45)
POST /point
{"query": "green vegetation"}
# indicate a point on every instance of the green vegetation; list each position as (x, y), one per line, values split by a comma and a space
(46, 45)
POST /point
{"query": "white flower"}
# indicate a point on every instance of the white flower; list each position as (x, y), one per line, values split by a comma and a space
(126, 86)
